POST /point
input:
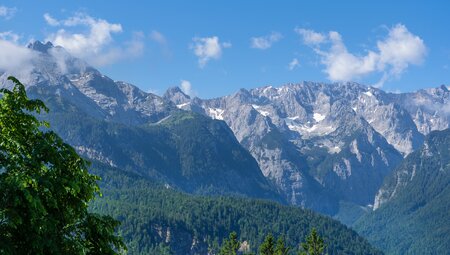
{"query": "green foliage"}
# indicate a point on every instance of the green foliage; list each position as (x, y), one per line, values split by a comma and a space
(45, 188)
(149, 211)
(314, 244)
(281, 248)
(230, 246)
(268, 246)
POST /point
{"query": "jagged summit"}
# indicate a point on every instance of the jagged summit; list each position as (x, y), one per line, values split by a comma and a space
(39, 46)
(172, 91)
(54, 71)
(177, 96)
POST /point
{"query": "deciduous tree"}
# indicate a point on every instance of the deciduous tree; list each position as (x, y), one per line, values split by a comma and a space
(45, 187)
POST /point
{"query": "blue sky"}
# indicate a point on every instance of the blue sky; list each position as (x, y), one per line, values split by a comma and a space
(215, 48)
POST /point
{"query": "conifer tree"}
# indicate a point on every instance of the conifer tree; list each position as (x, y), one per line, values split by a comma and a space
(268, 246)
(281, 248)
(314, 244)
(231, 245)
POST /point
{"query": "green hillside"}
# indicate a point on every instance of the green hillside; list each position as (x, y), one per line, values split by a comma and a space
(157, 218)
(415, 219)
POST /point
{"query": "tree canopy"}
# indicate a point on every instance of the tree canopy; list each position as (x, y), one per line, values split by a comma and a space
(45, 187)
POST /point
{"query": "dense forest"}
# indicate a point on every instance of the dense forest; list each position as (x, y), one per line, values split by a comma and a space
(157, 219)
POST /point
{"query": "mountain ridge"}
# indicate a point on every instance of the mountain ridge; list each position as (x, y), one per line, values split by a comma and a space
(317, 119)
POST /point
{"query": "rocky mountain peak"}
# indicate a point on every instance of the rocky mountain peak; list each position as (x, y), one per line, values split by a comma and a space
(39, 46)
(176, 95)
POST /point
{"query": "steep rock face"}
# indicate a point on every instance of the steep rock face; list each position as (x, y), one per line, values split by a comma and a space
(313, 141)
(360, 166)
(429, 108)
(279, 160)
(389, 119)
(411, 210)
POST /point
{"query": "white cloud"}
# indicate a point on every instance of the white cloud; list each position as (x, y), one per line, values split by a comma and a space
(100, 34)
(132, 48)
(208, 48)
(310, 37)
(95, 44)
(265, 42)
(400, 49)
(392, 57)
(9, 36)
(15, 59)
(50, 20)
(342, 65)
(293, 64)
(6, 12)
(186, 87)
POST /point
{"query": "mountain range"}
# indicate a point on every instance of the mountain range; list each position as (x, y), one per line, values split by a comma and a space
(322, 144)
(338, 149)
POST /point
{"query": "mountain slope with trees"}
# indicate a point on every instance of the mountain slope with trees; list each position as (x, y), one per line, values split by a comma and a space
(412, 207)
(157, 219)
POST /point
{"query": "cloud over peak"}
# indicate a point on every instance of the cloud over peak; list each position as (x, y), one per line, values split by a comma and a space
(15, 59)
(392, 56)
(93, 45)
(186, 87)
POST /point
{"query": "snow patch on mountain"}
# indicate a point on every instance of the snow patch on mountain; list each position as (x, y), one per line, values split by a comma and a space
(216, 113)
(318, 117)
(259, 109)
(183, 105)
